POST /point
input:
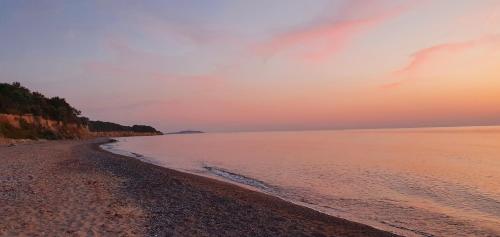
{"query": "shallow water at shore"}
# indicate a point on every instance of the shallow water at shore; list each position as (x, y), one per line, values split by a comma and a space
(415, 182)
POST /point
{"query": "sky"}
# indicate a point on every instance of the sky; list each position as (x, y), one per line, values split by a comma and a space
(225, 65)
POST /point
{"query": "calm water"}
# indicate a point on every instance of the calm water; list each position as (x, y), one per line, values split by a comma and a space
(415, 182)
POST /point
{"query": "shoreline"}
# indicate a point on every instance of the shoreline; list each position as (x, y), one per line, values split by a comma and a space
(221, 178)
(77, 187)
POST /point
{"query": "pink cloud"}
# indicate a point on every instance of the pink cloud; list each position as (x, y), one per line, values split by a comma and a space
(104, 68)
(208, 79)
(124, 61)
(165, 30)
(128, 63)
(327, 37)
(203, 79)
(423, 56)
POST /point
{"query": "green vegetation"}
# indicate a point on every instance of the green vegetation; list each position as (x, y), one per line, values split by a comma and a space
(16, 99)
(27, 131)
(100, 126)
(65, 121)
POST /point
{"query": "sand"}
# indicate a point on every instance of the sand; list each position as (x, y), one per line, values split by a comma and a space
(73, 188)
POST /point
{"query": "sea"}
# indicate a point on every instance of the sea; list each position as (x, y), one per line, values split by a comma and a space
(412, 182)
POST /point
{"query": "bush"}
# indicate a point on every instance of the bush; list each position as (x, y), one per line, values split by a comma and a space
(16, 99)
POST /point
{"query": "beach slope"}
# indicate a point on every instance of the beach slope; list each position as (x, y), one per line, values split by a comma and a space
(74, 188)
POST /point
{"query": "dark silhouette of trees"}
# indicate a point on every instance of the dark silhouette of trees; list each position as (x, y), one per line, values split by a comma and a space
(100, 126)
(16, 99)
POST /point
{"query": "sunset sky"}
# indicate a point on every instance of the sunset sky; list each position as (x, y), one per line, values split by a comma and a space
(260, 65)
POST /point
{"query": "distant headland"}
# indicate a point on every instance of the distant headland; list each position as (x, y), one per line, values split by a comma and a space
(184, 132)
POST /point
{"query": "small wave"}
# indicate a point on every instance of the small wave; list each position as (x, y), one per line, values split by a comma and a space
(238, 178)
(113, 148)
(418, 232)
(136, 154)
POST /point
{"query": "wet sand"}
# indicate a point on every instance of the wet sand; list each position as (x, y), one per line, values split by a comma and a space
(73, 188)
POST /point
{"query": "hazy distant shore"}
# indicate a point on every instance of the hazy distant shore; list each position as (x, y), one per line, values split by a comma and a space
(73, 187)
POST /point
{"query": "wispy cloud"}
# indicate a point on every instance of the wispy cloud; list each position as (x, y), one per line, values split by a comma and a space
(165, 30)
(321, 39)
(130, 63)
(128, 106)
(423, 56)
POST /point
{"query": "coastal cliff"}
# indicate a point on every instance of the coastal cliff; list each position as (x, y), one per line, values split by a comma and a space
(29, 126)
(30, 115)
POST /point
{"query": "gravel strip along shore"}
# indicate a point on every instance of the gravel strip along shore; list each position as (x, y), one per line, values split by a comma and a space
(73, 188)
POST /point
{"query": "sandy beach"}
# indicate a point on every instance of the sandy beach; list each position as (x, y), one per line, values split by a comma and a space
(73, 188)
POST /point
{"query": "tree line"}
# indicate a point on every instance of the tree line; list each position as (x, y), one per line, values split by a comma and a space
(100, 126)
(18, 100)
